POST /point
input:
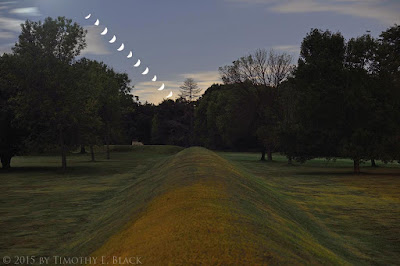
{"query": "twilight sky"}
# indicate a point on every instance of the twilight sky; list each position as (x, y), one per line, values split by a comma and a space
(177, 39)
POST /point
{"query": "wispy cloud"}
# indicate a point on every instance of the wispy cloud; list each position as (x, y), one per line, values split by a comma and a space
(386, 11)
(10, 24)
(147, 91)
(291, 49)
(26, 11)
(95, 45)
(7, 35)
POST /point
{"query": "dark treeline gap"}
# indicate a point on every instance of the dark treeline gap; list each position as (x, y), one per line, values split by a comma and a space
(342, 99)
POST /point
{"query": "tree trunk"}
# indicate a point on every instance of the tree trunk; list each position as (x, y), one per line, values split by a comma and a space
(92, 152)
(83, 150)
(263, 154)
(356, 166)
(373, 163)
(63, 151)
(269, 155)
(108, 141)
(6, 161)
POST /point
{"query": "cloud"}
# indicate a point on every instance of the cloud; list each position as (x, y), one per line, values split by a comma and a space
(147, 91)
(386, 11)
(291, 49)
(26, 11)
(95, 44)
(6, 35)
(10, 24)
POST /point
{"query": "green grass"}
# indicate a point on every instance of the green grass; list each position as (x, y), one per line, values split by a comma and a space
(361, 211)
(196, 206)
(45, 212)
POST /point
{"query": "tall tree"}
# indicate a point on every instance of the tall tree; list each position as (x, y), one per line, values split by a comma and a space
(189, 90)
(11, 134)
(264, 71)
(48, 102)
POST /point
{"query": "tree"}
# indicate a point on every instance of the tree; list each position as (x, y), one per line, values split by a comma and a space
(264, 71)
(11, 134)
(189, 90)
(346, 105)
(48, 101)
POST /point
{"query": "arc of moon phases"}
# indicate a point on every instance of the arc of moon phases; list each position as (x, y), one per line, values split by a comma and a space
(170, 95)
(146, 71)
(88, 16)
(113, 39)
(137, 63)
(121, 48)
(129, 55)
(104, 31)
(97, 23)
(162, 87)
(155, 78)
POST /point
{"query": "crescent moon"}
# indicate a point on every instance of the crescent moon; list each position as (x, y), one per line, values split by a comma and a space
(170, 95)
(97, 23)
(162, 87)
(88, 16)
(113, 39)
(121, 48)
(137, 63)
(129, 55)
(146, 71)
(155, 78)
(104, 31)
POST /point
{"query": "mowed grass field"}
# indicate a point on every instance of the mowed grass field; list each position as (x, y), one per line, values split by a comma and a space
(195, 206)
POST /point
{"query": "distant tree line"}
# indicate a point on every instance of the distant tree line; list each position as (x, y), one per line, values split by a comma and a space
(342, 99)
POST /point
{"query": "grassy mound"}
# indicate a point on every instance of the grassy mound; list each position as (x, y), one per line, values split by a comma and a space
(201, 209)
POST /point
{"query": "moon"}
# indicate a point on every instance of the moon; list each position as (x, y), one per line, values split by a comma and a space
(121, 48)
(97, 23)
(104, 31)
(88, 16)
(137, 63)
(146, 71)
(162, 87)
(170, 95)
(155, 78)
(113, 39)
(129, 55)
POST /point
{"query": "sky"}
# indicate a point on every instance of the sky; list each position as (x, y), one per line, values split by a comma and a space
(179, 39)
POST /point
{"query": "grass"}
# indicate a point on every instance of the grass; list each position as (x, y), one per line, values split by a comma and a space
(363, 211)
(45, 212)
(199, 207)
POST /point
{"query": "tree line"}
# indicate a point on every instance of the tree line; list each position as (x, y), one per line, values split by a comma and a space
(49, 100)
(340, 100)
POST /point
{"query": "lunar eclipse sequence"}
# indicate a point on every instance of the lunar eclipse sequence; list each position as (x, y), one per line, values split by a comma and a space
(130, 55)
